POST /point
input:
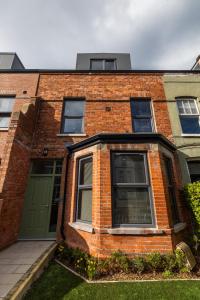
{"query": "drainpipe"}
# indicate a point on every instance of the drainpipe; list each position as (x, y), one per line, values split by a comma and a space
(65, 195)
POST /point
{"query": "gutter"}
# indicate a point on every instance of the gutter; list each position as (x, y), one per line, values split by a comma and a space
(123, 138)
(107, 72)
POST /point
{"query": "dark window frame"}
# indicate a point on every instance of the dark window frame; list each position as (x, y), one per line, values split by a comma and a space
(171, 189)
(104, 60)
(184, 115)
(63, 118)
(136, 117)
(81, 187)
(146, 185)
(7, 114)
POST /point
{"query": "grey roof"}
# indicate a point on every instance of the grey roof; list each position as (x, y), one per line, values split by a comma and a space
(10, 61)
(196, 66)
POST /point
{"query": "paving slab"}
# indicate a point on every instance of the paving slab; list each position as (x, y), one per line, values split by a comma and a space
(16, 260)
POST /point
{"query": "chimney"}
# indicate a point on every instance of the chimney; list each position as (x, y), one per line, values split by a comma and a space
(196, 66)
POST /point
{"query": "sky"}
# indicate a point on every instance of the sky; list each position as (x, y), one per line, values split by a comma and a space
(159, 34)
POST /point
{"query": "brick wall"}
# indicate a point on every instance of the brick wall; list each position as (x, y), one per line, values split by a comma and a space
(100, 91)
(15, 152)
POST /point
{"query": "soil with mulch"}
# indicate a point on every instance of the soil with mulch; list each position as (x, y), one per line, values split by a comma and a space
(122, 276)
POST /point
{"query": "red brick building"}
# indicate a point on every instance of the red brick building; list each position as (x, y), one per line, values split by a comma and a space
(89, 157)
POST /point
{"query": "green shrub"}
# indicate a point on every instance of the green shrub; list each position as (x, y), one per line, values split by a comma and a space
(170, 263)
(139, 265)
(119, 261)
(180, 259)
(155, 262)
(192, 193)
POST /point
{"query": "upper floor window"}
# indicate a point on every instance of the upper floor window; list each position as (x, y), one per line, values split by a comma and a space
(189, 115)
(142, 119)
(84, 193)
(103, 64)
(73, 116)
(6, 106)
(132, 203)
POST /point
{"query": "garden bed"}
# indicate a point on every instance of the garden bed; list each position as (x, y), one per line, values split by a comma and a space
(119, 267)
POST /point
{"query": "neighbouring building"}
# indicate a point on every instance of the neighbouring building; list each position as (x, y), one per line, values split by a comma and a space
(89, 156)
(183, 96)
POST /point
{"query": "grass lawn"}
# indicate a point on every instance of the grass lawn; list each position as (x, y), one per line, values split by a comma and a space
(56, 283)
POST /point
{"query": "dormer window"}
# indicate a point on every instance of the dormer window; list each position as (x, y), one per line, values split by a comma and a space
(103, 64)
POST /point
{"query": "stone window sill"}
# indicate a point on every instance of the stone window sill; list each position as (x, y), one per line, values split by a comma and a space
(135, 231)
(190, 135)
(82, 226)
(180, 226)
(4, 129)
(71, 134)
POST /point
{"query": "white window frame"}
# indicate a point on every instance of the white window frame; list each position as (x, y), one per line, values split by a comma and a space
(190, 114)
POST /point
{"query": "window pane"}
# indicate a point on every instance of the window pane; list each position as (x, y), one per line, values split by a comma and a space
(42, 167)
(187, 106)
(74, 108)
(129, 169)
(4, 122)
(195, 177)
(140, 108)
(110, 65)
(96, 64)
(180, 107)
(73, 125)
(85, 205)
(6, 104)
(86, 172)
(142, 125)
(132, 206)
(54, 204)
(194, 169)
(193, 107)
(190, 124)
(59, 166)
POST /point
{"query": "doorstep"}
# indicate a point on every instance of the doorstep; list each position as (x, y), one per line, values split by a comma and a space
(20, 266)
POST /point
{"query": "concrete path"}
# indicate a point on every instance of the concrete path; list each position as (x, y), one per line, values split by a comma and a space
(16, 260)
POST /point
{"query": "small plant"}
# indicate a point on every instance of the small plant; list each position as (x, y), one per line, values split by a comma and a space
(180, 259)
(139, 264)
(155, 262)
(167, 274)
(91, 268)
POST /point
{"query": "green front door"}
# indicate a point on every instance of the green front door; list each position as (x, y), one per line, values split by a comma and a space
(40, 207)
